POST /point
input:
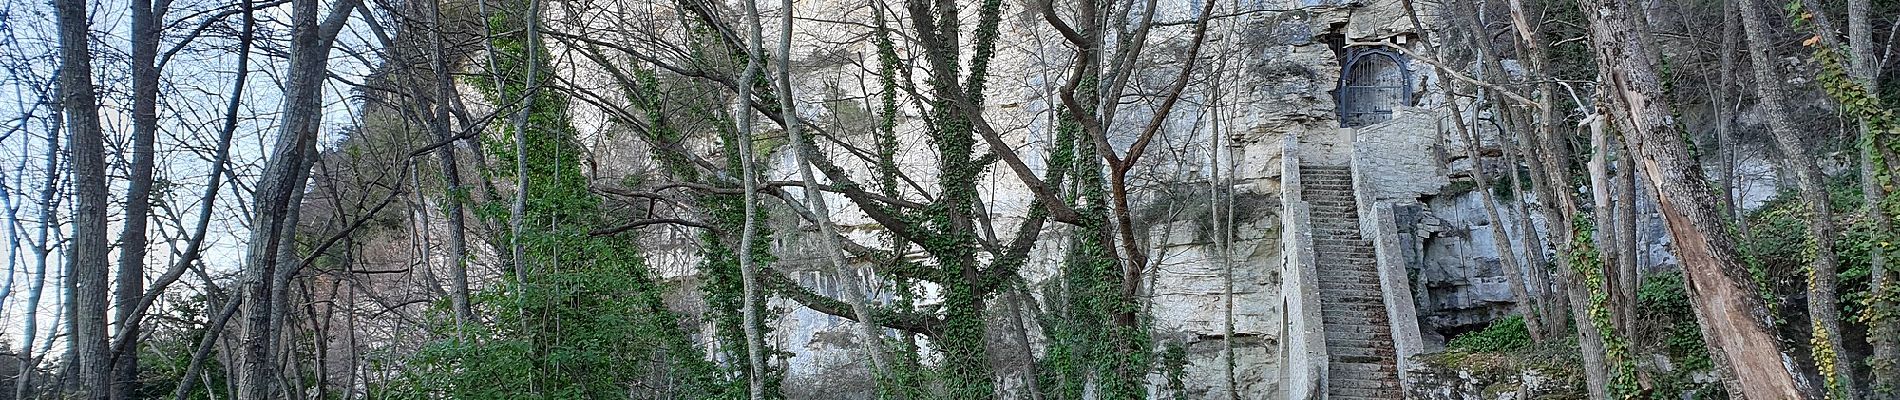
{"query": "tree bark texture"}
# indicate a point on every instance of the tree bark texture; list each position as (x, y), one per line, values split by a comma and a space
(88, 258)
(1723, 296)
(1823, 302)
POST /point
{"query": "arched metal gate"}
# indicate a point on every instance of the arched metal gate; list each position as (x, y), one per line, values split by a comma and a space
(1372, 84)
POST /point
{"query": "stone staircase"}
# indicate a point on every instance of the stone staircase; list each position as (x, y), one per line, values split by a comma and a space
(1359, 342)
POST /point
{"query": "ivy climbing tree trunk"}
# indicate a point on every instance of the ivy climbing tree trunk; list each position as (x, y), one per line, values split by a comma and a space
(1884, 326)
(1721, 291)
(755, 342)
(1823, 302)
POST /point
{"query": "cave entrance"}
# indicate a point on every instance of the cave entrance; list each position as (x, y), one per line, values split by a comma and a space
(1372, 83)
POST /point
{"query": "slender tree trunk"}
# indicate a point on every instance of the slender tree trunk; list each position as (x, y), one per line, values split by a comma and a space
(805, 151)
(1535, 279)
(1725, 117)
(86, 279)
(1501, 239)
(1541, 158)
(1627, 273)
(1823, 302)
(147, 20)
(42, 253)
(456, 193)
(755, 341)
(284, 177)
(1884, 334)
(1604, 214)
(1722, 293)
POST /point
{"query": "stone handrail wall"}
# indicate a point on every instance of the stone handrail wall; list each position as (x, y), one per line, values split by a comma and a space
(1305, 336)
(1380, 224)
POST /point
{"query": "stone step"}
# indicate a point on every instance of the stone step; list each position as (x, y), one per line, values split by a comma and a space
(1353, 331)
(1304, 171)
(1360, 354)
(1350, 383)
(1362, 368)
(1368, 307)
(1351, 298)
(1326, 250)
(1344, 273)
(1352, 335)
(1373, 360)
(1369, 329)
(1336, 266)
(1349, 284)
(1379, 320)
(1354, 343)
(1322, 215)
(1344, 262)
(1354, 321)
(1363, 394)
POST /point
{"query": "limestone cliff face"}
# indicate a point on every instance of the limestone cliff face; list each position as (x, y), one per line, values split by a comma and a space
(1275, 65)
(1272, 72)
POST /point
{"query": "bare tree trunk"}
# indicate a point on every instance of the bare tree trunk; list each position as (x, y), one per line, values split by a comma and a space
(1501, 240)
(1609, 249)
(1541, 158)
(42, 253)
(1536, 280)
(1724, 297)
(755, 341)
(86, 276)
(1823, 302)
(804, 151)
(147, 24)
(456, 194)
(282, 180)
(1726, 106)
(1627, 273)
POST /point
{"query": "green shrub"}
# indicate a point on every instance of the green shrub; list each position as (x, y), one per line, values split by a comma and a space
(1507, 335)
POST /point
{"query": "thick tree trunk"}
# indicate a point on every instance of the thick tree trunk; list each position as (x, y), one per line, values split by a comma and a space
(1724, 298)
(88, 259)
(284, 177)
(1823, 302)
